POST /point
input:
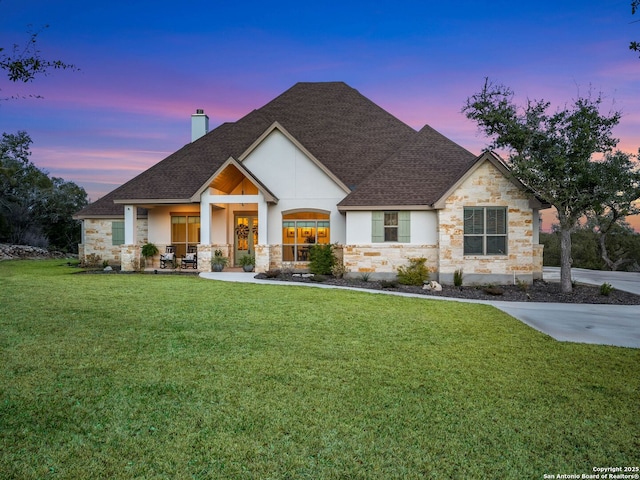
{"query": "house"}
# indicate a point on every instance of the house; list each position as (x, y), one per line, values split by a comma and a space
(323, 164)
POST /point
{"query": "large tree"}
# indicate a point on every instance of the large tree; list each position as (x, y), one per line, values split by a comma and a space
(34, 208)
(553, 153)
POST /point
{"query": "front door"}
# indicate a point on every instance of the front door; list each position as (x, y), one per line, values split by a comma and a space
(246, 236)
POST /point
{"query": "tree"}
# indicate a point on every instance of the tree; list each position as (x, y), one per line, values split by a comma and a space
(35, 209)
(609, 217)
(635, 6)
(622, 243)
(26, 62)
(553, 154)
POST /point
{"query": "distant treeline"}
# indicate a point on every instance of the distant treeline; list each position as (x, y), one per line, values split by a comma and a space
(622, 245)
(36, 209)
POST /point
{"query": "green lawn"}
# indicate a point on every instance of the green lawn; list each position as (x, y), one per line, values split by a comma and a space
(158, 376)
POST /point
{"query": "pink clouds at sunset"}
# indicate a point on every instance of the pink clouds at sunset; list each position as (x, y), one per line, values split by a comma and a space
(145, 67)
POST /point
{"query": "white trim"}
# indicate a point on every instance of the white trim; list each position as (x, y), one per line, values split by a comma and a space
(141, 202)
(373, 208)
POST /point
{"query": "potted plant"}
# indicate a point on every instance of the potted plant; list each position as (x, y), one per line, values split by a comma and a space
(148, 250)
(219, 261)
(247, 262)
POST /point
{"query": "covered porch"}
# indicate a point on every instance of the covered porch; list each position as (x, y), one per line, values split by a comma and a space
(229, 214)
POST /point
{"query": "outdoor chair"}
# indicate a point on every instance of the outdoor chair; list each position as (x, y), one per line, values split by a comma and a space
(190, 259)
(168, 256)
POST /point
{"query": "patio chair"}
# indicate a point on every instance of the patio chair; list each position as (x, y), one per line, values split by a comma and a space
(190, 258)
(168, 256)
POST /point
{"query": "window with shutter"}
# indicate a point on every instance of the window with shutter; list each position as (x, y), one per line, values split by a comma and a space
(390, 226)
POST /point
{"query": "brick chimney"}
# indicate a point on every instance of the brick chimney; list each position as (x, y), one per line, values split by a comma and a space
(199, 124)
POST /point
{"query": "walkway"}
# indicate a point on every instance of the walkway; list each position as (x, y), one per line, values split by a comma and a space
(617, 325)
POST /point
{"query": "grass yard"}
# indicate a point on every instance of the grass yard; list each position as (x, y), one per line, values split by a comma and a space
(158, 376)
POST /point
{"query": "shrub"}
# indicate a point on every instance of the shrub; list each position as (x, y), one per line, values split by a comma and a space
(457, 277)
(149, 250)
(364, 276)
(338, 270)
(522, 285)
(605, 289)
(321, 259)
(415, 273)
(247, 260)
(92, 260)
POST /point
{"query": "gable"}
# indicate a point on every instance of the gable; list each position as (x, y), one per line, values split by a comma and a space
(486, 176)
(288, 170)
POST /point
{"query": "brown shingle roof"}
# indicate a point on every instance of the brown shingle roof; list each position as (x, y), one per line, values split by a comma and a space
(345, 131)
(418, 174)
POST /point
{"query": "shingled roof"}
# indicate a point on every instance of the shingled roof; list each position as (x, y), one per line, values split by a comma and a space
(380, 158)
(416, 175)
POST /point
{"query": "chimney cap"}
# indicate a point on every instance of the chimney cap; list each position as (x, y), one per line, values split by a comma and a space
(199, 111)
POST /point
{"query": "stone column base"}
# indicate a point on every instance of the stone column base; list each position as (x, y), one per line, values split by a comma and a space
(263, 258)
(205, 253)
(130, 258)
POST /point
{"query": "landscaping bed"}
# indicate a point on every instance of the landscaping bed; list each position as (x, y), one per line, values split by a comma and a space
(539, 291)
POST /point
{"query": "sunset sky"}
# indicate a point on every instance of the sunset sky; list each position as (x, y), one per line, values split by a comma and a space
(145, 67)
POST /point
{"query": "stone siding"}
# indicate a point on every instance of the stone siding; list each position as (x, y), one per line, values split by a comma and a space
(488, 187)
(98, 240)
(268, 257)
(383, 260)
(130, 258)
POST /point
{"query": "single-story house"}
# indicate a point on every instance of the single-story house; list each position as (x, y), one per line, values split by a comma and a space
(323, 164)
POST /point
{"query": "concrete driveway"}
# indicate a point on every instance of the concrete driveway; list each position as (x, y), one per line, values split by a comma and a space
(627, 281)
(616, 325)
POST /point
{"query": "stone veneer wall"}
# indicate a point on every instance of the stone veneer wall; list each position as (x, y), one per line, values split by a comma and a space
(130, 257)
(98, 236)
(538, 252)
(268, 257)
(383, 260)
(486, 187)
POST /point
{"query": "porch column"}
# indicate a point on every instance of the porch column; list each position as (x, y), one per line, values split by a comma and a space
(205, 222)
(130, 250)
(262, 220)
(130, 221)
(204, 248)
(263, 250)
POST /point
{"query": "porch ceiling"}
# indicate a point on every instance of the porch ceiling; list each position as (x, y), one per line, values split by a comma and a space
(227, 180)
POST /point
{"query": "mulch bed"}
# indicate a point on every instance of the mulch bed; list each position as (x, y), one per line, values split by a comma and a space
(539, 291)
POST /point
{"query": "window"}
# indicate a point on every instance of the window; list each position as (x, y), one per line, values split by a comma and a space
(485, 231)
(300, 230)
(391, 227)
(117, 233)
(185, 232)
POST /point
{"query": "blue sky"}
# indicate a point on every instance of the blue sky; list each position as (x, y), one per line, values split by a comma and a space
(146, 66)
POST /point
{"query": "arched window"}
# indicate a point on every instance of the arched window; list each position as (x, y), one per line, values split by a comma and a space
(300, 230)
